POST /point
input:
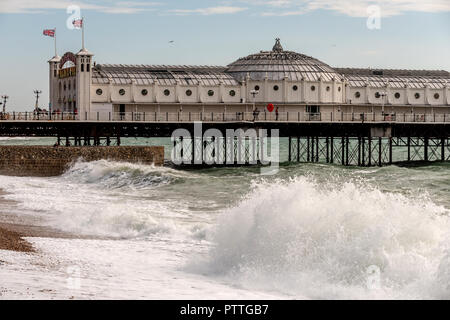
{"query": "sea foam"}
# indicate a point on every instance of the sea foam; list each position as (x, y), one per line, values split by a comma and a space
(333, 241)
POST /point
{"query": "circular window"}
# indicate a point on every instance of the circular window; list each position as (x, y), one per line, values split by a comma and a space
(339, 89)
(295, 88)
(167, 92)
(210, 93)
(357, 94)
(257, 88)
(275, 88)
(328, 88)
(99, 92)
(121, 92)
(417, 95)
(189, 93)
(313, 88)
(397, 95)
(377, 95)
(144, 92)
(436, 95)
(232, 93)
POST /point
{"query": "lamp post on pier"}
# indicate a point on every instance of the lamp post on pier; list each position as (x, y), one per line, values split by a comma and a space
(5, 98)
(37, 93)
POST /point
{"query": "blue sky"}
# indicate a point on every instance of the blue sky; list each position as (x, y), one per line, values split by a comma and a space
(414, 34)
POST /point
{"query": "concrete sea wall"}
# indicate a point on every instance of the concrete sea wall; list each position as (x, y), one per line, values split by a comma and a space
(44, 161)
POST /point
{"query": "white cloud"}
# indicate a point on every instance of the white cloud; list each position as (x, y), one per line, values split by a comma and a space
(353, 8)
(40, 6)
(208, 11)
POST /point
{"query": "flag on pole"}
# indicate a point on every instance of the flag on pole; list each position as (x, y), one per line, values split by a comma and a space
(49, 32)
(78, 23)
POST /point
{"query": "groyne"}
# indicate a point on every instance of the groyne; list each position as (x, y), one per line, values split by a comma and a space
(44, 161)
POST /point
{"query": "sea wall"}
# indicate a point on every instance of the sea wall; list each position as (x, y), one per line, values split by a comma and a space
(44, 161)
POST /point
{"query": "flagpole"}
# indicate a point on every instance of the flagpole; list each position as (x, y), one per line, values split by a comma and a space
(82, 32)
(55, 43)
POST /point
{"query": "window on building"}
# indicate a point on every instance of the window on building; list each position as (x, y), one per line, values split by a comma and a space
(65, 86)
(436, 95)
(88, 67)
(339, 89)
(189, 93)
(122, 92)
(397, 95)
(275, 88)
(144, 92)
(313, 88)
(210, 93)
(357, 94)
(328, 88)
(82, 67)
(417, 95)
(312, 109)
(232, 93)
(295, 88)
(167, 92)
(257, 88)
(377, 95)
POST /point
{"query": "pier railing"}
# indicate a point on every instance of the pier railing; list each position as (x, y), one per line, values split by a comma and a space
(228, 117)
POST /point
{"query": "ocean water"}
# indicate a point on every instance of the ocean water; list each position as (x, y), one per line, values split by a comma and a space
(312, 231)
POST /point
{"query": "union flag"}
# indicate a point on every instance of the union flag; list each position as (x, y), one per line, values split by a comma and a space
(49, 32)
(78, 23)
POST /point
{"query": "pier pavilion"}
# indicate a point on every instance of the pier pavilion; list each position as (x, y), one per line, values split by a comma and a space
(289, 81)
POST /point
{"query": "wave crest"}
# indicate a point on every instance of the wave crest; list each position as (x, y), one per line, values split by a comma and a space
(323, 240)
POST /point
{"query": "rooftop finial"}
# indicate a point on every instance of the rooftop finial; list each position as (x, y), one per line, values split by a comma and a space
(277, 47)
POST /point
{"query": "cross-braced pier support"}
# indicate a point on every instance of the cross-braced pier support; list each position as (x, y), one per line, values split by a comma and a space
(368, 151)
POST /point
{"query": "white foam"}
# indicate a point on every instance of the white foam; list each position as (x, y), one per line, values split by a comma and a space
(320, 241)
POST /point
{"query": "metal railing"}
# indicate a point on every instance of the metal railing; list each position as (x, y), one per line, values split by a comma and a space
(228, 117)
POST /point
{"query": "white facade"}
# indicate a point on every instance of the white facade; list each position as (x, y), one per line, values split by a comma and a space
(286, 79)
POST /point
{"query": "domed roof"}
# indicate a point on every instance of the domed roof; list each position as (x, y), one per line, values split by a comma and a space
(278, 64)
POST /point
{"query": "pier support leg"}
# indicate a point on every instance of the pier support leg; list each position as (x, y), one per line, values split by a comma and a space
(290, 150)
(332, 150)
(425, 149)
(317, 149)
(343, 151)
(328, 149)
(390, 150)
(346, 151)
(307, 150)
(442, 149)
(359, 151)
(409, 149)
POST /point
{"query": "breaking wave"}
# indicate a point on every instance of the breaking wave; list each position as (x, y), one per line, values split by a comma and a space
(332, 241)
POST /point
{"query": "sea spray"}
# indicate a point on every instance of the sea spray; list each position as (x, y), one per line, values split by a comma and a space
(320, 240)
